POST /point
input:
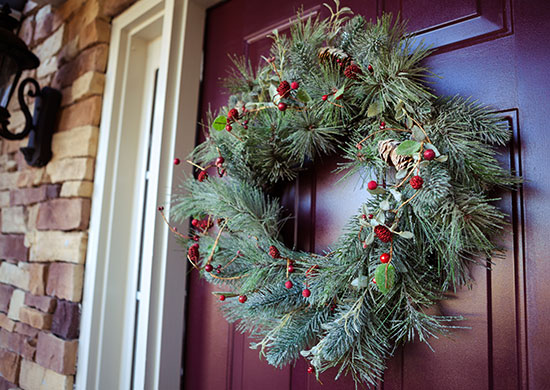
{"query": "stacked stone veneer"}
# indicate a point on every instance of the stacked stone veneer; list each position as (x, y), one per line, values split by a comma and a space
(45, 212)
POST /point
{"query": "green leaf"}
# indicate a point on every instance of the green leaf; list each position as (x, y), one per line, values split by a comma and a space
(432, 147)
(340, 92)
(401, 174)
(377, 191)
(418, 134)
(408, 122)
(303, 96)
(385, 205)
(396, 194)
(370, 238)
(380, 217)
(408, 148)
(407, 235)
(385, 277)
(272, 91)
(219, 123)
(442, 158)
(374, 109)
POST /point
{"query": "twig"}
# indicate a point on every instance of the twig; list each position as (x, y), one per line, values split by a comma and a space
(216, 243)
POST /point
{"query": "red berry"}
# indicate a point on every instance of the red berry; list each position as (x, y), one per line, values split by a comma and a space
(370, 216)
(218, 271)
(294, 85)
(310, 370)
(325, 97)
(364, 216)
(385, 258)
(228, 127)
(177, 161)
(233, 114)
(290, 269)
(359, 146)
(274, 252)
(306, 293)
(365, 246)
(416, 182)
(370, 68)
(429, 154)
(281, 106)
(161, 208)
(372, 185)
(245, 127)
(202, 176)
(288, 284)
(245, 122)
(338, 97)
(374, 280)
(195, 222)
(208, 268)
(222, 298)
(219, 161)
(242, 298)
(382, 125)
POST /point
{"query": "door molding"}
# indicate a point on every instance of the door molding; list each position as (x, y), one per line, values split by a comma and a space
(108, 307)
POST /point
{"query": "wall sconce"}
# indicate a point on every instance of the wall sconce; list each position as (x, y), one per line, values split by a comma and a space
(15, 57)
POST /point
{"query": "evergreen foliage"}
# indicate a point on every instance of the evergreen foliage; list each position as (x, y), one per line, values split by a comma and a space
(437, 231)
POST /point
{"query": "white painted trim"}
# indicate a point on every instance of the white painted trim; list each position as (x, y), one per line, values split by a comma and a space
(178, 92)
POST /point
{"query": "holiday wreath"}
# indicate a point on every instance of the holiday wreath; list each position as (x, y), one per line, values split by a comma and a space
(357, 89)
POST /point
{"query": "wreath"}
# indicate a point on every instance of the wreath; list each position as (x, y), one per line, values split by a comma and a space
(346, 86)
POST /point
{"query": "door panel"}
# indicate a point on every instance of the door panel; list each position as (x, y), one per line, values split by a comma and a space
(477, 54)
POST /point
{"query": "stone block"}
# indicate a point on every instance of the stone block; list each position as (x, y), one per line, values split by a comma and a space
(37, 278)
(4, 198)
(8, 180)
(31, 177)
(57, 246)
(98, 31)
(64, 214)
(26, 196)
(16, 303)
(83, 113)
(42, 303)
(36, 377)
(12, 247)
(27, 30)
(15, 274)
(35, 318)
(6, 323)
(90, 83)
(10, 340)
(68, 53)
(13, 220)
(5, 297)
(47, 22)
(81, 168)
(26, 330)
(56, 354)
(78, 142)
(9, 365)
(82, 189)
(92, 59)
(65, 281)
(51, 46)
(66, 320)
(7, 385)
(114, 7)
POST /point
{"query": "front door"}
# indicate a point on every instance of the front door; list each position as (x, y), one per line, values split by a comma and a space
(493, 50)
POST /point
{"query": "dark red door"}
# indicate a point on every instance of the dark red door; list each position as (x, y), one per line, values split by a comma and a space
(494, 50)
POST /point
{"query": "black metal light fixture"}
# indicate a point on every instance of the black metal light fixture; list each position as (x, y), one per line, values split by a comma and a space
(15, 57)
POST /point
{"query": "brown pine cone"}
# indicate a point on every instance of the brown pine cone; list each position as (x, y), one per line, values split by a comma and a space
(386, 149)
(283, 89)
(274, 252)
(352, 71)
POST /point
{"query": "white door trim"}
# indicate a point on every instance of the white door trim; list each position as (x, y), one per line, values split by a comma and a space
(106, 334)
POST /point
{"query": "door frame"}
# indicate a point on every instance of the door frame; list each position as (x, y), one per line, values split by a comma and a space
(106, 333)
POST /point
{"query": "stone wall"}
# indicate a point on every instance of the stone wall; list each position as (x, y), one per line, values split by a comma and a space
(45, 212)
